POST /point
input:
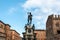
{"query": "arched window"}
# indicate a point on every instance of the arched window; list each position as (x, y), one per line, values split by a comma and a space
(1, 26)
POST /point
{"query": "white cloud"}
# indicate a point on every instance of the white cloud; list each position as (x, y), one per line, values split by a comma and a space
(37, 17)
(12, 10)
(46, 4)
(42, 8)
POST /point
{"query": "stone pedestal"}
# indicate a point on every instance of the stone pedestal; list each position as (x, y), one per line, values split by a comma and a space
(29, 33)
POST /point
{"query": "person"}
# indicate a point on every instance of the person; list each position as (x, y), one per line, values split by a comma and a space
(30, 18)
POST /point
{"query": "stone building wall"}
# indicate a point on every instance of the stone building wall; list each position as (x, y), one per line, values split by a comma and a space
(40, 34)
(2, 31)
(15, 35)
(7, 34)
(53, 27)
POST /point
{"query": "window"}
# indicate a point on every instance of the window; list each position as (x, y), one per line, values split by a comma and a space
(1, 26)
(58, 31)
(57, 24)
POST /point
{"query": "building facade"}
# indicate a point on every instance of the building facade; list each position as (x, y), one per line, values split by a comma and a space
(40, 34)
(7, 34)
(2, 31)
(53, 27)
(15, 35)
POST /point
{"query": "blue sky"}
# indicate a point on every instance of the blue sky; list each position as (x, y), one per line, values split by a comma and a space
(14, 12)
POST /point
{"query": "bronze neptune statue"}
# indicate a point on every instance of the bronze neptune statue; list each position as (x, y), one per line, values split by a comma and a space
(29, 18)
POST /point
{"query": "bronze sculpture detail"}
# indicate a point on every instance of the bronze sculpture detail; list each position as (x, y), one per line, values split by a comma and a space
(30, 18)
